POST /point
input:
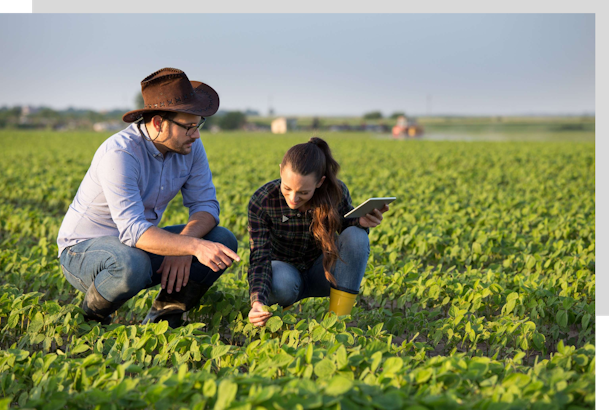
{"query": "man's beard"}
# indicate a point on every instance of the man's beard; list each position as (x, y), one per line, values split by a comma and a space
(183, 148)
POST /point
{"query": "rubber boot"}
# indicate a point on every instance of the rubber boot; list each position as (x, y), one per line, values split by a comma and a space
(97, 308)
(341, 302)
(171, 306)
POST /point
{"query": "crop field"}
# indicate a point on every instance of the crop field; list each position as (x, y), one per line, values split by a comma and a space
(479, 291)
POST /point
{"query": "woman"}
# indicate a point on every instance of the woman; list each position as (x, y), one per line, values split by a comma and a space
(301, 245)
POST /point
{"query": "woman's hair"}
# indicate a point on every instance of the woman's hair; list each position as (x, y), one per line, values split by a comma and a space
(314, 157)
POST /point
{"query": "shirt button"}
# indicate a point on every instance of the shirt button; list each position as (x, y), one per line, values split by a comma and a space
(161, 188)
(298, 214)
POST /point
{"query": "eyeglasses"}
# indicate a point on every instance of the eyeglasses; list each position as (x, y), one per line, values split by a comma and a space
(189, 128)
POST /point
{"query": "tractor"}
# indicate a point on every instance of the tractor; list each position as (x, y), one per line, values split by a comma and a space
(406, 128)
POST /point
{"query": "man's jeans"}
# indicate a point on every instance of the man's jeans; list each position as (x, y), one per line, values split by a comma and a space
(289, 285)
(120, 271)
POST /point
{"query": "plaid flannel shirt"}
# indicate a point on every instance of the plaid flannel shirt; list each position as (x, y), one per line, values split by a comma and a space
(280, 233)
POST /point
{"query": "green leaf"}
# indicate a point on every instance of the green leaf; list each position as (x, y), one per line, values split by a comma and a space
(434, 292)
(92, 359)
(289, 319)
(585, 321)
(392, 365)
(423, 375)
(82, 347)
(476, 248)
(376, 360)
(36, 323)
(324, 368)
(5, 403)
(508, 307)
(530, 261)
(517, 379)
(329, 321)
(338, 386)
(227, 391)
(282, 359)
(161, 327)
(219, 351)
(393, 256)
(539, 340)
(309, 354)
(318, 333)
(274, 324)
(209, 388)
(562, 318)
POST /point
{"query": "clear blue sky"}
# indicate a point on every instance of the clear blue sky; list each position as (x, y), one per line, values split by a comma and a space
(309, 64)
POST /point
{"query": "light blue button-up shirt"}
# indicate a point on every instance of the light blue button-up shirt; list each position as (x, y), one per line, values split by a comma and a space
(128, 186)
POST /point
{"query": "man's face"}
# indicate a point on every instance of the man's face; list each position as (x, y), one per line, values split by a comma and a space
(174, 137)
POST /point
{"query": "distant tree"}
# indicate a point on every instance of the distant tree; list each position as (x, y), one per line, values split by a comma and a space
(139, 101)
(9, 116)
(232, 120)
(396, 114)
(374, 115)
(316, 123)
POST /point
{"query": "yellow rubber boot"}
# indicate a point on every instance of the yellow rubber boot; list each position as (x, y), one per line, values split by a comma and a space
(341, 302)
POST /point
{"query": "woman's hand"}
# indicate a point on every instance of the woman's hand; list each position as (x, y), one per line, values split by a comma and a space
(258, 316)
(374, 218)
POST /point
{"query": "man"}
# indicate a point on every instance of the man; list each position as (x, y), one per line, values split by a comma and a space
(109, 244)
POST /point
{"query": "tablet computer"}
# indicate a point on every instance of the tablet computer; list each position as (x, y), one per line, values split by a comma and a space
(368, 206)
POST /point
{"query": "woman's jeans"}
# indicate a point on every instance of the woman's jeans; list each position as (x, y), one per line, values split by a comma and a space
(121, 272)
(289, 285)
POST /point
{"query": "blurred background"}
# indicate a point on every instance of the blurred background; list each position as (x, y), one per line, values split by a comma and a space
(432, 76)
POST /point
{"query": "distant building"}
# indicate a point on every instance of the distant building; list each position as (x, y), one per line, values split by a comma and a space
(282, 125)
(26, 111)
(279, 126)
(29, 110)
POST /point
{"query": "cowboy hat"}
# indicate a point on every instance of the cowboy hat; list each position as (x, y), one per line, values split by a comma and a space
(169, 89)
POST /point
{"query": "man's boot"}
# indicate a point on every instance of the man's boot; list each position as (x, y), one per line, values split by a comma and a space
(341, 302)
(97, 308)
(171, 306)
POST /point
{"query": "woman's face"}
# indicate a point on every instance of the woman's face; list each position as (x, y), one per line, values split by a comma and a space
(298, 189)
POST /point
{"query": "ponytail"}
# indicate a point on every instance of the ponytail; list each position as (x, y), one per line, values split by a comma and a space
(315, 157)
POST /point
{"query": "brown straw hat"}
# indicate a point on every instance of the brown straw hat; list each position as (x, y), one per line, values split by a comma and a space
(170, 90)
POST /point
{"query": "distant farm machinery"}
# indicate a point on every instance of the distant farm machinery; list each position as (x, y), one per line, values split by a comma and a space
(406, 128)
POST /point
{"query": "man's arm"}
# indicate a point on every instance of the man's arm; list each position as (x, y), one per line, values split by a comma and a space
(179, 250)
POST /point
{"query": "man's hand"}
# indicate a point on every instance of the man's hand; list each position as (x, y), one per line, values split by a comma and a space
(175, 270)
(374, 218)
(258, 316)
(215, 255)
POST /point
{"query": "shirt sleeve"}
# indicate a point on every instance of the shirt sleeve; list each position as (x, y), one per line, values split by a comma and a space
(118, 172)
(345, 207)
(260, 271)
(199, 192)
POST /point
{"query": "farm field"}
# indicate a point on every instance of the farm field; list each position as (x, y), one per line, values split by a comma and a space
(479, 291)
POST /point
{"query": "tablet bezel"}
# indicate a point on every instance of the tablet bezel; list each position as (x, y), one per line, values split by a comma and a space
(368, 206)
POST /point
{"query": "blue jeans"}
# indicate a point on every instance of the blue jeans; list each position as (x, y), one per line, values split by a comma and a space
(289, 285)
(121, 272)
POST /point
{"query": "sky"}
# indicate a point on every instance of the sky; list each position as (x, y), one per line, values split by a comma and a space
(309, 64)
